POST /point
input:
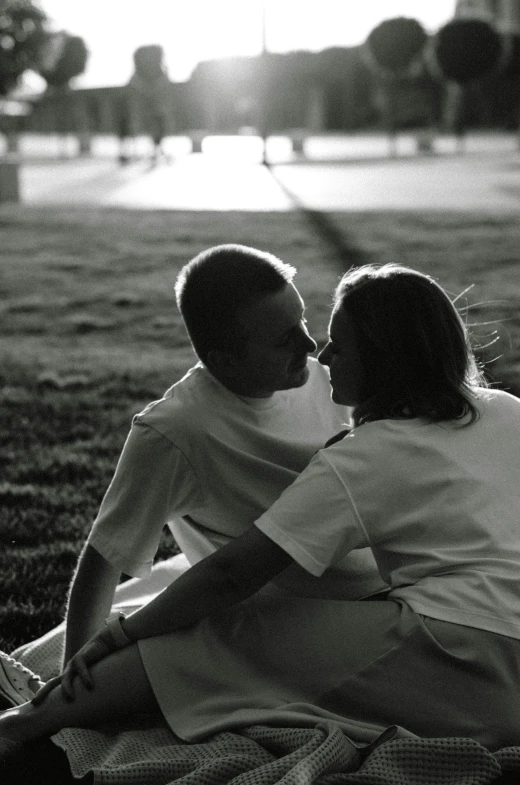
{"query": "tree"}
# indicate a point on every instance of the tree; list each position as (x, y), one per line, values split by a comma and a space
(466, 51)
(394, 52)
(347, 84)
(22, 35)
(66, 57)
(395, 43)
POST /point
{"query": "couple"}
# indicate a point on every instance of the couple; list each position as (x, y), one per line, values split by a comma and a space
(417, 503)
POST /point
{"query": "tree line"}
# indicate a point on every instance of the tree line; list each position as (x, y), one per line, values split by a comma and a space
(466, 74)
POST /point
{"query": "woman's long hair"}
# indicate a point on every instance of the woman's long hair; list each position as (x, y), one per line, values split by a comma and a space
(413, 345)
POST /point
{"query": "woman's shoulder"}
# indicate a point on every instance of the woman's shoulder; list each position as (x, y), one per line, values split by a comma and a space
(496, 396)
(372, 439)
(385, 443)
(373, 458)
(497, 406)
(490, 402)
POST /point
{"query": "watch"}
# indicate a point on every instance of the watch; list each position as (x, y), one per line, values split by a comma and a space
(119, 637)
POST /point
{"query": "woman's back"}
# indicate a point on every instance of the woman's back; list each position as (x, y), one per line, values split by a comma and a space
(441, 507)
(439, 504)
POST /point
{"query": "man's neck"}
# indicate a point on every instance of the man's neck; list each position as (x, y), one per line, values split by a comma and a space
(243, 391)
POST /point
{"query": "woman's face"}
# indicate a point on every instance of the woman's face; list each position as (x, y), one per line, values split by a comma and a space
(341, 355)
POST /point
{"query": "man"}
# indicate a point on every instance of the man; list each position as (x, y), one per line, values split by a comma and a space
(220, 446)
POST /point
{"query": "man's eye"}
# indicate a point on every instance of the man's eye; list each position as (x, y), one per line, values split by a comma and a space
(291, 334)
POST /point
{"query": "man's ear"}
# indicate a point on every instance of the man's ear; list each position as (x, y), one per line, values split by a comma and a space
(221, 364)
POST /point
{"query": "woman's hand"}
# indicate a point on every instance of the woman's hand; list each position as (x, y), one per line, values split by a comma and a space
(97, 648)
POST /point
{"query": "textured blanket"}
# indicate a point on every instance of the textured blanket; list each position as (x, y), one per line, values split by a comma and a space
(148, 753)
(262, 755)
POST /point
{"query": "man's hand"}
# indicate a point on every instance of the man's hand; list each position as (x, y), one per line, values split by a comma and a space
(95, 649)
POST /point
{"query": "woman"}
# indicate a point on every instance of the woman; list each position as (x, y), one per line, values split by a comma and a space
(428, 478)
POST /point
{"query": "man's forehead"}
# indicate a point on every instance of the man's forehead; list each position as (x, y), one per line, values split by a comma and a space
(274, 313)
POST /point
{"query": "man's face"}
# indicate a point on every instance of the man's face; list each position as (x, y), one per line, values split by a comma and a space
(277, 345)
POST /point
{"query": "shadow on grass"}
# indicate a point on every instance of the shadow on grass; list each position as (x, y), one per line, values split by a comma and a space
(346, 253)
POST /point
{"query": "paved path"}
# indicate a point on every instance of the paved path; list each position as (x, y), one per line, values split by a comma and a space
(343, 173)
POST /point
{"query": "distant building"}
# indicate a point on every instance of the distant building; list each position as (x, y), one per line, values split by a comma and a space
(503, 14)
(477, 9)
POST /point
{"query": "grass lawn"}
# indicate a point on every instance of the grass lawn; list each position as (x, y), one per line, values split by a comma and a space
(89, 333)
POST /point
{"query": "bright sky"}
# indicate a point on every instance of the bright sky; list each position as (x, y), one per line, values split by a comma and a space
(204, 29)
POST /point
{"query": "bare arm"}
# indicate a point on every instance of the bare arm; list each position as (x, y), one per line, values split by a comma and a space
(149, 473)
(231, 574)
(90, 598)
(228, 576)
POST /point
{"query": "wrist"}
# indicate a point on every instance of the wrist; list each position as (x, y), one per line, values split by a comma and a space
(118, 636)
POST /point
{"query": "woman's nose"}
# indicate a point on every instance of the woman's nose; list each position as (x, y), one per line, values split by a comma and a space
(324, 355)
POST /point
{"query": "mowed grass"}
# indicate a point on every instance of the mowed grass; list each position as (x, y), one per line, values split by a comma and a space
(89, 333)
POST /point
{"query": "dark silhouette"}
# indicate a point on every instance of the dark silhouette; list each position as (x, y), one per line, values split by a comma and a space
(404, 89)
(395, 43)
(22, 38)
(68, 55)
(467, 51)
(146, 104)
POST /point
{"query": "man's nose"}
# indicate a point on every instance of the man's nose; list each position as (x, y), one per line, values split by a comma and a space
(305, 342)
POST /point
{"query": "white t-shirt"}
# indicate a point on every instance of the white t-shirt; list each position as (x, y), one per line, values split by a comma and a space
(208, 463)
(439, 505)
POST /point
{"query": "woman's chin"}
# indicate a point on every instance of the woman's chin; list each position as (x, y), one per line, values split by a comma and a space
(341, 398)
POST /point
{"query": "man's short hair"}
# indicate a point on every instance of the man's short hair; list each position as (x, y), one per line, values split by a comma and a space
(216, 284)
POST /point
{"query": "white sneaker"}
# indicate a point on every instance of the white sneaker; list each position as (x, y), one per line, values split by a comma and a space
(18, 684)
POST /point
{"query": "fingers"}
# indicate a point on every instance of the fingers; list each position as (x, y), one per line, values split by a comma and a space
(75, 668)
(84, 674)
(78, 666)
(66, 682)
(44, 691)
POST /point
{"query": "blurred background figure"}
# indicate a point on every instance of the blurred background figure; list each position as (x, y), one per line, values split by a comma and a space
(147, 103)
(63, 57)
(340, 72)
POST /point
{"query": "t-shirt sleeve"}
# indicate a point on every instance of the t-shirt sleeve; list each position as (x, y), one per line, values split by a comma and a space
(315, 519)
(153, 482)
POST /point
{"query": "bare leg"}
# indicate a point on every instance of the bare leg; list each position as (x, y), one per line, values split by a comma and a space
(121, 687)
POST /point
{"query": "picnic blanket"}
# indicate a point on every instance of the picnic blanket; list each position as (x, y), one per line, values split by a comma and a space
(265, 755)
(317, 752)
(147, 752)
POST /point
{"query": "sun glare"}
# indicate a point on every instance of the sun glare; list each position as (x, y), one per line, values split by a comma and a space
(206, 29)
(212, 30)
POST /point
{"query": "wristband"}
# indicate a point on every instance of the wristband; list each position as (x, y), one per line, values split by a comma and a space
(119, 637)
